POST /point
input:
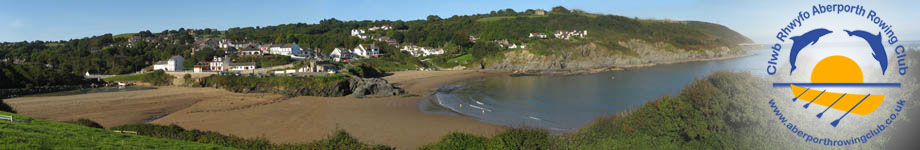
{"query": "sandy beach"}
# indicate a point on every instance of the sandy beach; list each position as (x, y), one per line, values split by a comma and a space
(394, 121)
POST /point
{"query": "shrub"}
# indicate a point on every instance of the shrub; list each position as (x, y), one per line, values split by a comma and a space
(335, 85)
(529, 139)
(458, 141)
(340, 140)
(158, 78)
(366, 71)
(6, 108)
(87, 122)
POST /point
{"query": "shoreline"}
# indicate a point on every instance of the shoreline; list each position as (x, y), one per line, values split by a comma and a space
(616, 68)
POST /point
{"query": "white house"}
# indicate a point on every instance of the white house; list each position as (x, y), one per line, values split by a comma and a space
(242, 66)
(286, 49)
(384, 27)
(537, 35)
(250, 52)
(366, 50)
(318, 67)
(570, 34)
(359, 33)
(173, 64)
(418, 51)
(340, 54)
(227, 44)
(220, 63)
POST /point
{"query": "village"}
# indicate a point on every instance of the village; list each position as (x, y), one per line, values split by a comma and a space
(312, 61)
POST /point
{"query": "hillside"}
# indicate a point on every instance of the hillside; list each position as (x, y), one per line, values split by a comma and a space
(474, 41)
(33, 133)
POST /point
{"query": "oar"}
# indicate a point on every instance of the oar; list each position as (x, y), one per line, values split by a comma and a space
(803, 93)
(813, 100)
(832, 104)
(848, 112)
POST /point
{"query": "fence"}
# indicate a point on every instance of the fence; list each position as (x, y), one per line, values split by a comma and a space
(127, 132)
(5, 117)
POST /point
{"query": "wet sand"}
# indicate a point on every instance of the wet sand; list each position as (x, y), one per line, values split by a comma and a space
(394, 121)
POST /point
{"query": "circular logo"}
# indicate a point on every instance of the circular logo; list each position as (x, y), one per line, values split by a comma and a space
(830, 65)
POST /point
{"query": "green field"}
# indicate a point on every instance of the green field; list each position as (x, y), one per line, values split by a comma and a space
(129, 77)
(33, 133)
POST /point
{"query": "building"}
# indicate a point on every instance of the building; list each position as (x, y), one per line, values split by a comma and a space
(540, 12)
(219, 63)
(561, 34)
(201, 67)
(387, 40)
(360, 33)
(249, 51)
(242, 66)
(318, 66)
(286, 49)
(537, 35)
(173, 64)
(366, 50)
(384, 27)
(418, 51)
(340, 55)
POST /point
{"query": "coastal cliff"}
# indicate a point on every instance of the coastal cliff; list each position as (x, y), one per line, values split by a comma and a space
(591, 56)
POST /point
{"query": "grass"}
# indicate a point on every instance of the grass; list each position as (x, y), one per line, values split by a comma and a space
(462, 59)
(388, 65)
(131, 77)
(157, 78)
(124, 35)
(33, 133)
(339, 140)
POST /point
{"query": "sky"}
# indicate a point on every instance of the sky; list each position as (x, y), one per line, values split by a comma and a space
(28, 20)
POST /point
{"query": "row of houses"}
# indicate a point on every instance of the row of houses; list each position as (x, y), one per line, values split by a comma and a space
(419, 51)
(362, 50)
(219, 64)
(561, 34)
(312, 66)
(361, 33)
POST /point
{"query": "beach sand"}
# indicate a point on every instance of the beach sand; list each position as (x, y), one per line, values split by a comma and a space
(394, 121)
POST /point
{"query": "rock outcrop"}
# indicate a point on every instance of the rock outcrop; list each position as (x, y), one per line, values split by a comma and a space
(364, 87)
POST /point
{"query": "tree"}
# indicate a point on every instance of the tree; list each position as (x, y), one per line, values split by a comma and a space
(560, 9)
(432, 18)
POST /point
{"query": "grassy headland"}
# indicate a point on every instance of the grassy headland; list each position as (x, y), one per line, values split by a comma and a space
(33, 133)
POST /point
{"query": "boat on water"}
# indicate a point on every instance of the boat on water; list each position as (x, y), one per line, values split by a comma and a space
(861, 104)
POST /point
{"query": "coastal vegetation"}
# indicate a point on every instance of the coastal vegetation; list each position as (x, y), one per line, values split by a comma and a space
(87, 123)
(5, 107)
(339, 140)
(157, 78)
(334, 85)
(32, 133)
(132, 52)
(35, 75)
(264, 61)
